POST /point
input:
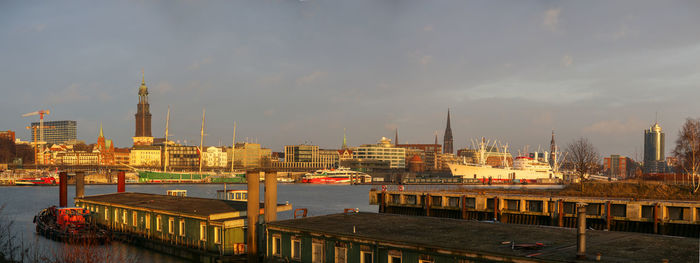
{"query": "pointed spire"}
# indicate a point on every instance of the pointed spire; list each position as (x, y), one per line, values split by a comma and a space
(143, 77)
(448, 118)
(345, 140)
(447, 138)
(101, 133)
(396, 136)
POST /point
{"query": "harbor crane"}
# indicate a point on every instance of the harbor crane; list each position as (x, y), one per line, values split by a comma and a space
(41, 114)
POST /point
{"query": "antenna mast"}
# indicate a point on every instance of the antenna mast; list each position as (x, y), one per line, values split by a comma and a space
(233, 147)
(165, 144)
(201, 143)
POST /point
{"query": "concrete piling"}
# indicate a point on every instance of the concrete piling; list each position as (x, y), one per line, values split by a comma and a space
(63, 189)
(581, 233)
(79, 184)
(121, 182)
(253, 179)
(270, 196)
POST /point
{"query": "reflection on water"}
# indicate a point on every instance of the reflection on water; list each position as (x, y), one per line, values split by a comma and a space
(22, 203)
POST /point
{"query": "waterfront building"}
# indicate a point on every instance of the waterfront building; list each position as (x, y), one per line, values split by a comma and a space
(429, 153)
(654, 141)
(447, 138)
(105, 148)
(9, 135)
(619, 167)
(122, 156)
(370, 237)
(307, 156)
(446, 158)
(78, 158)
(142, 134)
(344, 154)
(198, 229)
(383, 151)
(145, 156)
(416, 165)
(248, 155)
(215, 157)
(56, 131)
(183, 157)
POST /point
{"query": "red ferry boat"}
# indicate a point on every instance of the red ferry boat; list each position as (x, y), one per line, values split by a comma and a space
(36, 181)
(72, 225)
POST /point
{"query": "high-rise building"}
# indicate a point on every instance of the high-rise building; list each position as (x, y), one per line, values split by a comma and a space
(142, 135)
(57, 132)
(447, 138)
(654, 141)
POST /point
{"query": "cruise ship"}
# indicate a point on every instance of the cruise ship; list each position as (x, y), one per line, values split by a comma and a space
(525, 169)
(341, 175)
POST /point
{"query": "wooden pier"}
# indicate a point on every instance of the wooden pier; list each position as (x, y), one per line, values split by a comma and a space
(667, 217)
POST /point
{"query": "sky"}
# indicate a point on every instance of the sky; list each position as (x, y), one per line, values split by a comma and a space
(293, 72)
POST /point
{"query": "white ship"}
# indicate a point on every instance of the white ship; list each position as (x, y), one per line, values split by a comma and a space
(525, 169)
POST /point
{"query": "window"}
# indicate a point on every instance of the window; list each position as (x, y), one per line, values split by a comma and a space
(534, 206)
(217, 235)
(366, 257)
(106, 214)
(317, 252)
(276, 249)
(116, 216)
(124, 217)
(296, 249)
(134, 218)
(341, 254)
(148, 221)
(394, 259)
(182, 227)
(203, 231)
(159, 224)
(425, 259)
(171, 225)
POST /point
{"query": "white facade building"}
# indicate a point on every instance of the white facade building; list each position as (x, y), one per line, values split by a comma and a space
(383, 150)
(215, 157)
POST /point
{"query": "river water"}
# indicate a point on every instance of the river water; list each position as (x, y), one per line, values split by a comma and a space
(22, 203)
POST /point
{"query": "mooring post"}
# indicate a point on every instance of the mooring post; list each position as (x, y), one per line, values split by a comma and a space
(561, 212)
(581, 233)
(253, 180)
(270, 196)
(464, 207)
(79, 184)
(656, 218)
(495, 208)
(427, 204)
(63, 189)
(607, 215)
(121, 182)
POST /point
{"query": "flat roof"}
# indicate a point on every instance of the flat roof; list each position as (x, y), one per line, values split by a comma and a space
(486, 238)
(196, 206)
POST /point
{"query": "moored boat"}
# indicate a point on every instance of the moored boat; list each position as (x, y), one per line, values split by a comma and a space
(36, 181)
(341, 175)
(71, 225)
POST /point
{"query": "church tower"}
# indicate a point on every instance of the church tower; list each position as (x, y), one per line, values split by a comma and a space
(447, 144)
(142, 135)
(552, 152)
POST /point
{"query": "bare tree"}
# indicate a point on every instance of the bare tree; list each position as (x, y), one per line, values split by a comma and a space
(687, 150)
(583, 158)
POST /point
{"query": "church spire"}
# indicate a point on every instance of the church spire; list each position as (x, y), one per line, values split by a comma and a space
(101, 133)
(345, 140)
(447, 138)
(143, 77)
(396, 136)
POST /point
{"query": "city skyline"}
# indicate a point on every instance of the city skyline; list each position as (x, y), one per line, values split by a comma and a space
(304, 71)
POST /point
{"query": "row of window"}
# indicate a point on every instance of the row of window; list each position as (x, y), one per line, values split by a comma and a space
(121, 218)
(340, 252)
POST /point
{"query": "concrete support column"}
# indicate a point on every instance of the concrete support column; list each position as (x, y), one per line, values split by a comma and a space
(63, 189)
(270, 197)
(656, 218)
(79, 184)
(253, 179)
(581, 233)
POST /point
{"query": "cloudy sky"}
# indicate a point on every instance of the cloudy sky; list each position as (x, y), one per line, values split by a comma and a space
(290, 72)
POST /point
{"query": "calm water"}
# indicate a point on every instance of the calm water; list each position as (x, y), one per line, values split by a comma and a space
(22, 203)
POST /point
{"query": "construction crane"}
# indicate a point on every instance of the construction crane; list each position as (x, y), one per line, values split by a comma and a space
(41, 114)
(35, 143)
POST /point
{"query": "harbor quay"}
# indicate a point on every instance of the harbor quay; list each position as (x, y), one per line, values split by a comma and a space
(389, 238)
(666, 217)
(197, 229)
